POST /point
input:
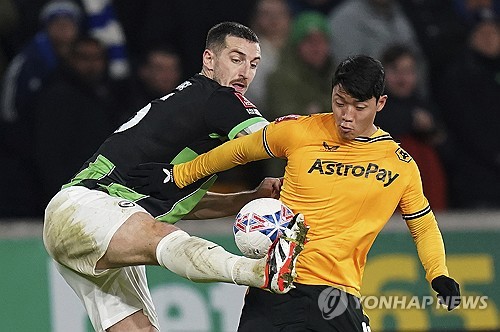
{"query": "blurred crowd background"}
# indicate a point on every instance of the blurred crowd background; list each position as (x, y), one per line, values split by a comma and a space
(72, 71)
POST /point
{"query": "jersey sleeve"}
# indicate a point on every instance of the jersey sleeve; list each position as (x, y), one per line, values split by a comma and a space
(228, 113)
(282, 136)
(423, 227)
(228, 155)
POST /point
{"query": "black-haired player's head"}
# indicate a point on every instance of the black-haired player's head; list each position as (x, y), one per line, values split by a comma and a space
(357, 96)
(361, 76)
(216, 36)
(231, 56)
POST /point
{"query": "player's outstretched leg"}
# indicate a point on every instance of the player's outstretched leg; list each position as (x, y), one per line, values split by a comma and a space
(204, 261)
(283, 254)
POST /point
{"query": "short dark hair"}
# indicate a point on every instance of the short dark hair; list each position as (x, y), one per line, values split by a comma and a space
(361, 76)
(216, 36)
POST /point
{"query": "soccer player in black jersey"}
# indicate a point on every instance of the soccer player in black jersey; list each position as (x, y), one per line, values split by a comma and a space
(101, 233)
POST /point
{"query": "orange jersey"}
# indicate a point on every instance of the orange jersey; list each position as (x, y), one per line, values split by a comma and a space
(347, 192)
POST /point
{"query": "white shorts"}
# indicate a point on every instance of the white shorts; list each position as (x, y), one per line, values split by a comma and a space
(79, 224)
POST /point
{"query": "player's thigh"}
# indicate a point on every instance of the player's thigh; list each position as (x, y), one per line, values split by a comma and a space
(333, 310)
(265, 311)
(79, 224)
(135, 242)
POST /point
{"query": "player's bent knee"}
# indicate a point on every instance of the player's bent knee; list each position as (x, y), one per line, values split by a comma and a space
(135, 242)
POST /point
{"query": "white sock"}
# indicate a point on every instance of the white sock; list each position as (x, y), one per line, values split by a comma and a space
(200, 260)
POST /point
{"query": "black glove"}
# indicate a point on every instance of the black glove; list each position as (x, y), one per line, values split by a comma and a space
(154, 179)
(448, 291)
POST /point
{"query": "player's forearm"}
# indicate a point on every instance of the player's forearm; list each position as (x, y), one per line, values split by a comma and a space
(230, 154)
(430, 246)
(215, 205)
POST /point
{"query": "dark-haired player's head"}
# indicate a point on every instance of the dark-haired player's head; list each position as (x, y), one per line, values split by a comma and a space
(231, 56)
(357, 96)
(360, 76)
(216, 37)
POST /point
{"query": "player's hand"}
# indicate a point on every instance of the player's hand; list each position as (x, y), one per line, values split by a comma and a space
(448, 291)
(154, 179)
(269, 187)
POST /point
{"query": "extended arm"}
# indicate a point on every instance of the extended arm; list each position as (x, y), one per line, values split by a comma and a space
(228, 155)
(215, 205)
(430, 247)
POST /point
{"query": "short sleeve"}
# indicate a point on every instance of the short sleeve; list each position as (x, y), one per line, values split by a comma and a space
(228, 112)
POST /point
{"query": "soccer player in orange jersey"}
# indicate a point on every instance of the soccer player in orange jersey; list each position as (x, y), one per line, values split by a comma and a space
(347, 177)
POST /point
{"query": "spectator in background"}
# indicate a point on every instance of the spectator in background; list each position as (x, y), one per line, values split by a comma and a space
(301, 83)
(183, 24)
(469, 100)
(369, 27)
(158, 71)
(271, 22)
(440, 33)
(103, 24)
(74, 115)
(410, 119)
(26, 75)
(28, 71)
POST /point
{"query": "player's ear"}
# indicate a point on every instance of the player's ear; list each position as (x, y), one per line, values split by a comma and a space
(208, 59)
(381, 102)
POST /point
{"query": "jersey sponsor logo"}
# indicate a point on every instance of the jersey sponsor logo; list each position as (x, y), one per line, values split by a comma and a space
(331, 167)
(330, 147)
(403, 155)
(247, 103)
(287, 117)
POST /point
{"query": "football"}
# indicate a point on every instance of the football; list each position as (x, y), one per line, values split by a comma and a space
(258, 224)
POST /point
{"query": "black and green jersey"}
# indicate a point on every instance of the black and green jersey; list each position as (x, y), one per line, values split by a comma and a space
(194, 118)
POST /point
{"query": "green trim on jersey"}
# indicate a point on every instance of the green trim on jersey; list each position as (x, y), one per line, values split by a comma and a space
(103, 167)
(96, 170)
(186, 204)
(99, 169)
(184, 156)
(243, 125)
(119, 190)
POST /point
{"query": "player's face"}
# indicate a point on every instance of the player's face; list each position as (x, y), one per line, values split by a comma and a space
(354, 118)
(235, 65)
